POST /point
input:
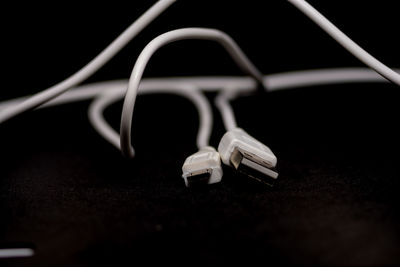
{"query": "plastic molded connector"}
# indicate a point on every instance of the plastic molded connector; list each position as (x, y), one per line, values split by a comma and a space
(203, 167)
(249, 156)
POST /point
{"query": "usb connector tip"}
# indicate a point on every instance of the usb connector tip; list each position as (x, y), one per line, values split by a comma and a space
(203, 167)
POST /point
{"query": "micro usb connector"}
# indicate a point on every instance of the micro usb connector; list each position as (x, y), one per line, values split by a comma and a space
(198, 177)
(249, 156)
(203, 167)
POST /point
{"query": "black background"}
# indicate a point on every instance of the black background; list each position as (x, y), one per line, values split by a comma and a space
(79, 202)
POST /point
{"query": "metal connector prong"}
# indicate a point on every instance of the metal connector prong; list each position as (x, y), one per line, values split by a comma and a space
(198, 178)
(248, 156)
(253, 166)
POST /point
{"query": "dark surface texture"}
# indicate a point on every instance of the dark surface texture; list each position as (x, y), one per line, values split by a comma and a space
(80, 203)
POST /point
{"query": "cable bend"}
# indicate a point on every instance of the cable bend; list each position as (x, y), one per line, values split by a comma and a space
(96, 116)
(188, 91)
(181, 34)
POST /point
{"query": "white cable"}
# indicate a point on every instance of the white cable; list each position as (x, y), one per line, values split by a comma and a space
(81, 93)
(96, 118)
(172, 36)
(274, 82)
(186, 90)
(318, 77)
(90, 68)
(16, 253)
(345, 41)
(227, 113)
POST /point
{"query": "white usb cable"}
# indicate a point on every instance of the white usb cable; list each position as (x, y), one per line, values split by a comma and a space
(166, 38)
(237, 148)
(151, 14)
(204, 166)
(240, 150)
(249, 156)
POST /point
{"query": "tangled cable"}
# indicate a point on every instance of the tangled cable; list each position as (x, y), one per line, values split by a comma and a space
(237, 148)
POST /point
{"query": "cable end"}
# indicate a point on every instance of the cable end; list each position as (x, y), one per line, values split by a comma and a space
(248, 156)
(202, 168)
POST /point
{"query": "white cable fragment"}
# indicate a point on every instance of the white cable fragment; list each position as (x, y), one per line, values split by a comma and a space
(96, 117)
(222, 103)
(16, 253)
(99, 61)
(346, 42)
(319, 77)
(172, 36)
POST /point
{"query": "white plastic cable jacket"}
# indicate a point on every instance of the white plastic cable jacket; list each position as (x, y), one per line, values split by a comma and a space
(222, 103)
(182, 34)
(96, 117)
(7, 253)
(188, 91)
(91, 67)
(346, 42)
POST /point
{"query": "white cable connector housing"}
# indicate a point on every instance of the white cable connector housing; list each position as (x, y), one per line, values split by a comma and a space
(203, 167)
(249, 156)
